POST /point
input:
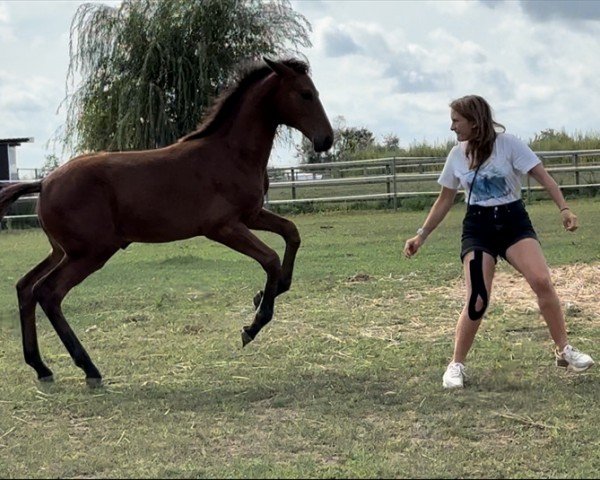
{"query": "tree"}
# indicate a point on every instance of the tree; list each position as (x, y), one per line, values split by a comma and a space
(352, 140)
(391, 141)
(347, 141)
(306, 153)
(550, 134)
(51, 163)
(150, 68)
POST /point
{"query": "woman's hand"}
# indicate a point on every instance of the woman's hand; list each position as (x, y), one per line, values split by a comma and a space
(412, 245)
(569, 220)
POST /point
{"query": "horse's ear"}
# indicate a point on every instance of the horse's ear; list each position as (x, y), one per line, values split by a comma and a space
(279, 68)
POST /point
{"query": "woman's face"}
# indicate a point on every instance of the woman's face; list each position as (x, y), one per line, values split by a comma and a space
(464, 129)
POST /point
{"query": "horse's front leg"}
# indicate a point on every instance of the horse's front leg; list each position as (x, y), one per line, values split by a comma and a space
(240, 238)
(271, 222)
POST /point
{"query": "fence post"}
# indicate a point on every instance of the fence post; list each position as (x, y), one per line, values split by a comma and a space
(388, 183)
(293, 177)
(394, 183)
(576, 165)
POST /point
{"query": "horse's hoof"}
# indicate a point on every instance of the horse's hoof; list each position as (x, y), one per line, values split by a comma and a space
(46, 379)
(246, 338)
(257, 299)
(93, 382)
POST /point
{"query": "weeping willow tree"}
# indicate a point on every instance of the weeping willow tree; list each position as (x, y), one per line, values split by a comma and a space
(141, 74)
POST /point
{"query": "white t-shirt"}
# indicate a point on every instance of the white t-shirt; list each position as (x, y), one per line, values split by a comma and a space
(498, 180)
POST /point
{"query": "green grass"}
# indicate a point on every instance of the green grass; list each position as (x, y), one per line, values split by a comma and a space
(344, 382)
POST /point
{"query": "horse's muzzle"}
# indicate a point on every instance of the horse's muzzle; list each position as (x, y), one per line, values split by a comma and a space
(322, 144)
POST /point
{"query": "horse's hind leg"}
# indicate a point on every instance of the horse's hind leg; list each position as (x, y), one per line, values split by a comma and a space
(50, 292)
(270, 222)
(241, 239)
(27, 304)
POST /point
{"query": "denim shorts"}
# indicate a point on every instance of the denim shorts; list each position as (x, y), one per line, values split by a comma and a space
(495, 229)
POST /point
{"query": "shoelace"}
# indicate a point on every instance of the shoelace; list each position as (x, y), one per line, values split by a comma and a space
(456, 370)
(569, 351)
(574, 353)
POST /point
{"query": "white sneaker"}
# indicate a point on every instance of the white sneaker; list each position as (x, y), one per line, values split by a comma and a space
(454, 375)
(573, 359)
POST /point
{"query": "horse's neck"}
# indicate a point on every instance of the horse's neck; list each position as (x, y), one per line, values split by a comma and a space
(253, 137)
(252, 129)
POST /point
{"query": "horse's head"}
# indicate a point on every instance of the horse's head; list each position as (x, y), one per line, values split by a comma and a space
(297, 105)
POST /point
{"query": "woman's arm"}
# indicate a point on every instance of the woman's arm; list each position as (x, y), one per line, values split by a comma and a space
(438, 212)
(541, 176)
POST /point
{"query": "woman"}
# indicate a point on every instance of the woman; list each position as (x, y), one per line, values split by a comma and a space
(488, 164)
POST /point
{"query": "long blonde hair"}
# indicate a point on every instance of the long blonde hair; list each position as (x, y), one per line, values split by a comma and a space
(477, 110)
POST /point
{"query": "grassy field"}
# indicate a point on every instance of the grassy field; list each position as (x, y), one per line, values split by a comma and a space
(345, 381)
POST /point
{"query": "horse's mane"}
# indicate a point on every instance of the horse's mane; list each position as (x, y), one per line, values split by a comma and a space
(225, 104)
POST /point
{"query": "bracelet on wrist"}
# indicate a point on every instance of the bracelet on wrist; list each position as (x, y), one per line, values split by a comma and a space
(564, 208)
(423, 233)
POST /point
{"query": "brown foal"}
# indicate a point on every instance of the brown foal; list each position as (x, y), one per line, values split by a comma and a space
(210, 183)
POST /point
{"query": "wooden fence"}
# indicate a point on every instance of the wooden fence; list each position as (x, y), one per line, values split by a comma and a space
(389, 179)
(394, 178)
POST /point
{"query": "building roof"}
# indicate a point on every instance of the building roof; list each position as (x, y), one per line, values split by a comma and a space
(14, 142)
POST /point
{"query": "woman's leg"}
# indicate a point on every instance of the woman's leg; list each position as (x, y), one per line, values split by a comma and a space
(527, 257)
(466, 328)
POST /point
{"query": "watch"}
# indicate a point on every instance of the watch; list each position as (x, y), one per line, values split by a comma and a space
(421, 232)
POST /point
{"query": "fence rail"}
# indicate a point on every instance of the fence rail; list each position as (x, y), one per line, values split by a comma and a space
(303, 184)
(567, 166)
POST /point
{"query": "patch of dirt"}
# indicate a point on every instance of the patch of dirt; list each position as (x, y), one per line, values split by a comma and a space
(578, 288)
(359, 277)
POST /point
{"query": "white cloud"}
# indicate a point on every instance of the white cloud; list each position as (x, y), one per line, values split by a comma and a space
(337, 42)
(524, 67)
(25, 95)
(29, 106)
(534, 94)
(392, 67)
(6, 32)
(560, 10)
(4, 17)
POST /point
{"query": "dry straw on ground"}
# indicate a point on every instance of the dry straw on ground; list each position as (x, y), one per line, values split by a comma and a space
(578, 287)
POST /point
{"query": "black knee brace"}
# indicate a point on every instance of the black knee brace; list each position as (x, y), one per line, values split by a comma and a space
(477, 286)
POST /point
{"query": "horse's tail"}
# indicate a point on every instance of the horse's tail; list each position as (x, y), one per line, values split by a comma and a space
(10, 193)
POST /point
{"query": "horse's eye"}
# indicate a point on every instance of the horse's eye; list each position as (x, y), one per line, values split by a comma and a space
(306, 95)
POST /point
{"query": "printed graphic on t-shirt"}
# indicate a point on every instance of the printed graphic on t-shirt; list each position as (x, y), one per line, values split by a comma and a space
(490, 185)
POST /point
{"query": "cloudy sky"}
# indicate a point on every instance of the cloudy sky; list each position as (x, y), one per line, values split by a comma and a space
(389, 66)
